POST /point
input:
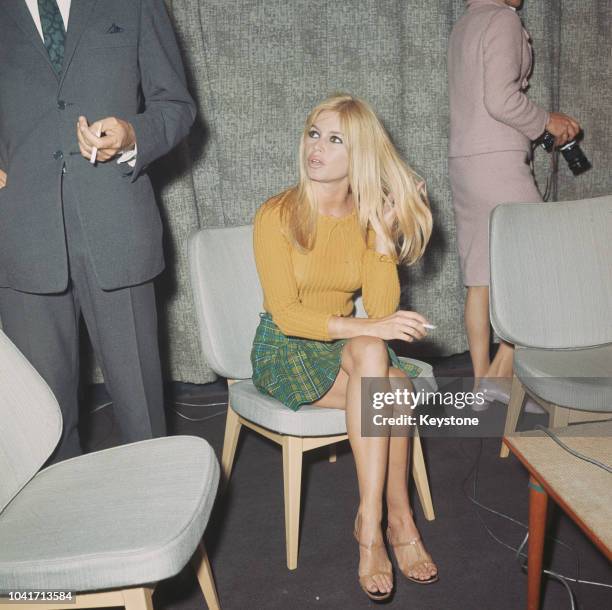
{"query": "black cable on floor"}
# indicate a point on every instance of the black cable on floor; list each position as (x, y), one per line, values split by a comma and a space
(518, 551)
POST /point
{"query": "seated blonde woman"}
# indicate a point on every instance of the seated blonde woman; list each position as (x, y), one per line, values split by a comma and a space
(356, 212)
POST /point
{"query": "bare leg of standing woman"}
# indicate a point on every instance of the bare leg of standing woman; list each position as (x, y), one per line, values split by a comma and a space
(477, 325)
(502, 363)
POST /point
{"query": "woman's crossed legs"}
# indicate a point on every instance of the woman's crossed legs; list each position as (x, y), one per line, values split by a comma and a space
(379, 460)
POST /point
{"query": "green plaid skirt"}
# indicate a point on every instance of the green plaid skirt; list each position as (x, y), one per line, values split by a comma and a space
(299, 371)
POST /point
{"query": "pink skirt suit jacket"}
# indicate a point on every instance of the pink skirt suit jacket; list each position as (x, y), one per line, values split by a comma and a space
(492, 123)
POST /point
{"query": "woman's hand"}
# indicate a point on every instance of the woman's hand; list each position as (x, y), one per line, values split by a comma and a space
(2, 179)
(563, 127)
(422, 188)
(390, 217)
(404, 325)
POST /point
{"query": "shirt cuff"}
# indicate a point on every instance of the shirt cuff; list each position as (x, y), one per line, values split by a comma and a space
(129, 156)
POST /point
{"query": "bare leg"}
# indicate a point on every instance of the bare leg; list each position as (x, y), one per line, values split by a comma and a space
(476, 317)
(399, 513)
(479, 334)
(365, 357)
(502, 363)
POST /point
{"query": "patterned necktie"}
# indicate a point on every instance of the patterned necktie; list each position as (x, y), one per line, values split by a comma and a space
(54, 33)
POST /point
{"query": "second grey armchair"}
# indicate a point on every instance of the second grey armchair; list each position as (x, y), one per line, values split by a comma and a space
(551, 296)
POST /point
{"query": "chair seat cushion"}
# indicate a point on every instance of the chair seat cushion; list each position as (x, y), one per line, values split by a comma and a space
(580, 379)
(272, 414)
(129, 515)
(268, 412)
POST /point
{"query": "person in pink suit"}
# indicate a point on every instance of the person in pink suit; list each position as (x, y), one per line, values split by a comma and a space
(492, 124)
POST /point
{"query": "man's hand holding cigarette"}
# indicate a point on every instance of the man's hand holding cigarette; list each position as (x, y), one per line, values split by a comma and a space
(104, 139)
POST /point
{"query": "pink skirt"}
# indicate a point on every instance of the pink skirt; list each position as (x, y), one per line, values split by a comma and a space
(478, 184)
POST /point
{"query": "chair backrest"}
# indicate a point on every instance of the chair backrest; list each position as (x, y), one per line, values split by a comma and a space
(30, 421)
(228, 297)
(551, 273)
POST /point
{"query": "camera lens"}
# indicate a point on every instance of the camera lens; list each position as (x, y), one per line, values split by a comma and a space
(575, 158)
(572, 153)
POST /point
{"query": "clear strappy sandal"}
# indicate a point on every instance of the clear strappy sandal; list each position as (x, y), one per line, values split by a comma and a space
(421, 557)
(377, 596)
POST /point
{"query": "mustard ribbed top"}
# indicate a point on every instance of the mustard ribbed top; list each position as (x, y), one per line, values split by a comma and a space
(303, 291)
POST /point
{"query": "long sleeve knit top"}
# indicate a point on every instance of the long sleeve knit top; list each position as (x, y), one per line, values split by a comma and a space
(302, 291)
(489, 61)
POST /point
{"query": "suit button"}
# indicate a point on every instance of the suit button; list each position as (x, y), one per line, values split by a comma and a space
(61, 104)
(58, 154)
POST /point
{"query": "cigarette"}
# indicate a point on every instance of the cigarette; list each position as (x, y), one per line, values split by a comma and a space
(94, 150)
(429, 326)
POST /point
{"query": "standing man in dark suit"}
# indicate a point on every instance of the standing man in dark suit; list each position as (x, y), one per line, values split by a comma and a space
(91, 92)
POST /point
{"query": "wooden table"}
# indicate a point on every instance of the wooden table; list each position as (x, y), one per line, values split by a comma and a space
(581, 489)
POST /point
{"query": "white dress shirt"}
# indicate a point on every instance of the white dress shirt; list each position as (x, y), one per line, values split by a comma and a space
(64, 8)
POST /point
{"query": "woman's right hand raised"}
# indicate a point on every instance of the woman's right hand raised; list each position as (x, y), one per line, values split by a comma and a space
(404, 325)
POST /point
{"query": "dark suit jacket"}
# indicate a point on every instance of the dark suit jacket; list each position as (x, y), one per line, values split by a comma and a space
(121, 59)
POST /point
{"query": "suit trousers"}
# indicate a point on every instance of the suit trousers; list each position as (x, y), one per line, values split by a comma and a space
(122, 326)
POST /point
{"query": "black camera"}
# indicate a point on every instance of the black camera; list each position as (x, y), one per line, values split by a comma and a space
(572, 153)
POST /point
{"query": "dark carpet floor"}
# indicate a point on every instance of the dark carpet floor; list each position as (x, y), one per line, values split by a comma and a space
(246, 540)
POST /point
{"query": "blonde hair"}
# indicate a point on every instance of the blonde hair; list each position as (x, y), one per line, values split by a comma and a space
(377, 176)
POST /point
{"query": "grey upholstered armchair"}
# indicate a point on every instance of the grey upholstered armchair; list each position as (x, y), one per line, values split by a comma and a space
(107, 525)
(551, 296)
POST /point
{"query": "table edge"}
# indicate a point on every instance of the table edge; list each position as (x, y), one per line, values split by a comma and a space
(595, 539)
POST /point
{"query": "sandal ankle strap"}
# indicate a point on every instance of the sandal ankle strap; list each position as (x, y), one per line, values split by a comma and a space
(407, 543)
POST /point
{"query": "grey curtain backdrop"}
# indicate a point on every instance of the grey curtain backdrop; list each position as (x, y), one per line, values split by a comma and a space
(256, 67)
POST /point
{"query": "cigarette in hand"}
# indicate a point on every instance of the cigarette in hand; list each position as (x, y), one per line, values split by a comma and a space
(94, 150)
(429, 326)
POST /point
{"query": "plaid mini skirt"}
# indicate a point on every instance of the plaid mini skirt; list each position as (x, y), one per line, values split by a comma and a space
(299, 371)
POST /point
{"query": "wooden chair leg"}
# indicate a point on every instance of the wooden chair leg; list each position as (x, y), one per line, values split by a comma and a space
(558, 417)
(332, 453)
(205, 577)
(138, 598)
(230, 440)
(292, 476)
(517, 397)
(419, 473)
